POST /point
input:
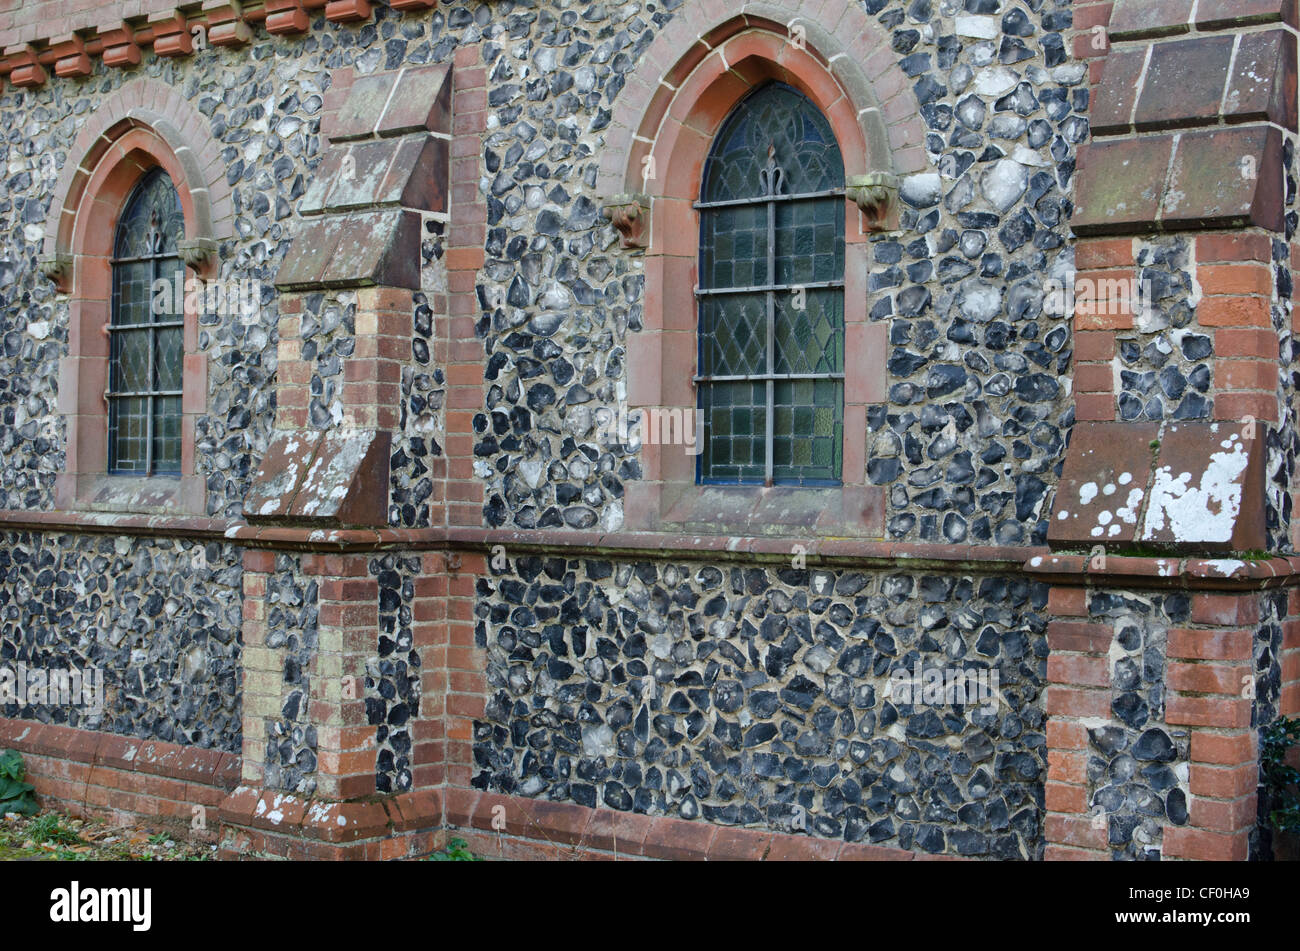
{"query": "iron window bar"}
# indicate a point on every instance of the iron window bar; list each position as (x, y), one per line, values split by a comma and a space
(760, 288)
(136, 394)
(738, 202)
(778, 377)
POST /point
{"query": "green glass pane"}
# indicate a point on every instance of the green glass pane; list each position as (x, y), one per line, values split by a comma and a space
(780, 117)
(128, 434)
(809, 241)
(132, 289)
(808, 429)
(736, 423)
(167, 434)
(733, 335)
(733, 248)
(810, 339)
(152, 222)
(131, 361)
(169, 358)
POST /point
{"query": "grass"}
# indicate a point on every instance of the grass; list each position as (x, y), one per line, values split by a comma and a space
(54, 837)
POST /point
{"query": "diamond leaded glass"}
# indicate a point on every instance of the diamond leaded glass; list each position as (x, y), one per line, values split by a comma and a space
(146, 348)
(771, 295)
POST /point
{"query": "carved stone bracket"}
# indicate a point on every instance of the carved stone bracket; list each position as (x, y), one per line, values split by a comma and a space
(196, 252)
(630, 215)
(57, 268)
(876, 194)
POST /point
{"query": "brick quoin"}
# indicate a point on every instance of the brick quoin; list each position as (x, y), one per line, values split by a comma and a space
(957, 551)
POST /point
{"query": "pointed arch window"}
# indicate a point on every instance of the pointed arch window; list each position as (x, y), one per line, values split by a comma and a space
(146, 333)
(770, 299)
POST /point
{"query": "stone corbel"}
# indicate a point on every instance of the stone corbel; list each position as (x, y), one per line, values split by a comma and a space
(630, 215)
(286, 17)
(226, 26)
(70, 56)
(876, 195)
(120, 47)
(197, 252)
(57, 268)
(25, 71)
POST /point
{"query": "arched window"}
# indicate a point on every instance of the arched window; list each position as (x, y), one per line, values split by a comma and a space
(146, 348)
(771, 296)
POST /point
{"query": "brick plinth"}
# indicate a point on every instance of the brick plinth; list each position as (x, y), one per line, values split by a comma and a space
(87, 772)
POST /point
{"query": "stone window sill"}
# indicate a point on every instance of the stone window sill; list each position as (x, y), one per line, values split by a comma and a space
(850, 511)
(132, 495)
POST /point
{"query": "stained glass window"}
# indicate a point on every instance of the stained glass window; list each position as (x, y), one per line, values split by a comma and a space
(146, 346)
(771, 296)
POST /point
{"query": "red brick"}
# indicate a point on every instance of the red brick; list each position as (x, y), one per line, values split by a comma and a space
(1223, 782)
(1081, 833)
(1209, 678)
(1090, 407)
(1237, 406)
(1224, 816)
(1077, 702)
(802, 848)
(1242, 342)
(1066, 798)
(1079, 636)
(678, 839)
(1094, 378)
(1234, 312)
(1209, 645)
(1187, 843)
(1062, 735)
(743, 845)
(1207, 711)
(1103, 253)
(1082, 671)
(621, 832)
(861, 852)
(1094, 346)
(1067, 767)
(1224, 609)
(1240, 246)
(1246, 375)
(1236, 279)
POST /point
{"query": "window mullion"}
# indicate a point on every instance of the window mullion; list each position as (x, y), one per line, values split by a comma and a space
(770, 384)
(152, 384)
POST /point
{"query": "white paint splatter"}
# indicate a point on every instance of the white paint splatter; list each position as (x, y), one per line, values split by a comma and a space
(1203, 513)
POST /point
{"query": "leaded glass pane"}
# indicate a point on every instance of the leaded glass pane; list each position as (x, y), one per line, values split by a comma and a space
(755, 258)
(167, 434)
(735, 420)
(734, 247)
(153, 222)
(808, 435)
(733, 335)
(168, 357)
(147, 337)
(809, 241)
(810, 339)
(781, 116)
(133, 283)
(131, 361)
(128, 433)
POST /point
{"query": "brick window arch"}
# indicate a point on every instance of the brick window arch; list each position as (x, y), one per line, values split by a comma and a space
(90, 227)
(669, 143)
(142, 126)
